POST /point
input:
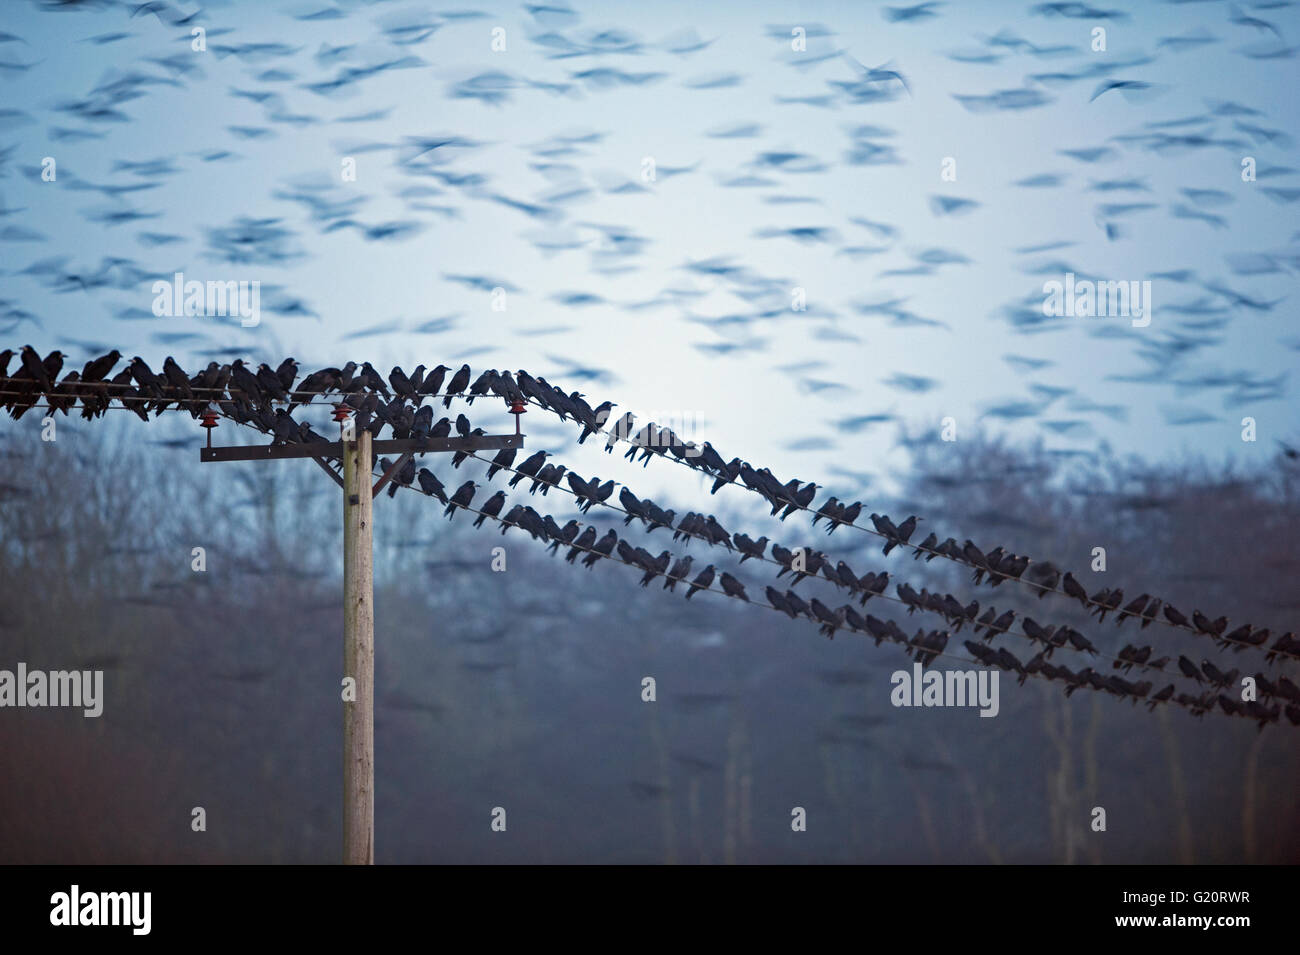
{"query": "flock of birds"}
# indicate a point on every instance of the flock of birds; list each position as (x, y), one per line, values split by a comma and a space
(266, 398)
(440, 178)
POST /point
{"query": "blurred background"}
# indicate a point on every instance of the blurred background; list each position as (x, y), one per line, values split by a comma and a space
(522, 689)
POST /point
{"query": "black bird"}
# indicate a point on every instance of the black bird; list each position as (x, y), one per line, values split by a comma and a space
(462, 426)
(681, 567)
(563, 535)
(245, 382)
(632, 504)
(464, 494)
(777, 600)
(402, 478)
(906, 529)
(64, 396)
(1107, 601)
(504, 458)
(1152, 612)
(422, 422)
(1074, 589)
(97, 369)
(433, 380)
(512, 518)
(584, 543)
(602, 548)
(548, 477)
(285, 428)
(491, 507)
(270, 382)
(1208, 627)
(1079, 641)
(829, 619)
(1216, 676)
(532, 464)
(1133, 608)
(369, 378)
(702, 581)
(347, 376)
(144, 376)
(457, 384)
(180, 383)
(401, 384)
(732, 586)
(655, 567)
(460, 457)
(1162, 697)
(974, 556)
(287, 372)
(750, 548)
(317, 383)
(926, 545)
(1188, 669)
(798, 604)
(35, 368)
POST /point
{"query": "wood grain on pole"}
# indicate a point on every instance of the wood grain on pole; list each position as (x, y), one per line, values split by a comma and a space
(358, 655)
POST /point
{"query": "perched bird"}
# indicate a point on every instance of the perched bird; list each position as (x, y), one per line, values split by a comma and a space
(602, 548)
(732, 586)
(433, 381)
(1074, 589)
(491, 507)
(457, 384)
(584, 542)
(702, 581)
(681, 567)
(462, 498)
(503, 459)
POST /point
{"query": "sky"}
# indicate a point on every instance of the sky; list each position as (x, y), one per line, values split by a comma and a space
(509, 147)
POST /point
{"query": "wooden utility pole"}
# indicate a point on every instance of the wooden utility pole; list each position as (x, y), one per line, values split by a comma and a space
(357, 451)
(358, 653)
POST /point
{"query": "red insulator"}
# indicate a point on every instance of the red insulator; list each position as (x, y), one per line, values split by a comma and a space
(517, 408)
(209, 422)
(342, 412)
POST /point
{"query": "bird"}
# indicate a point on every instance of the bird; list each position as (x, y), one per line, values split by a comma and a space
(491, 507)
(464, 494)
(457, 384)
(503, 459)
(433, 381)
(1074, 589)
(602, 548)
(402, 386)
(702, 581)
(584, 542)
(732, 586)
(529, 468)
(681, 567)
